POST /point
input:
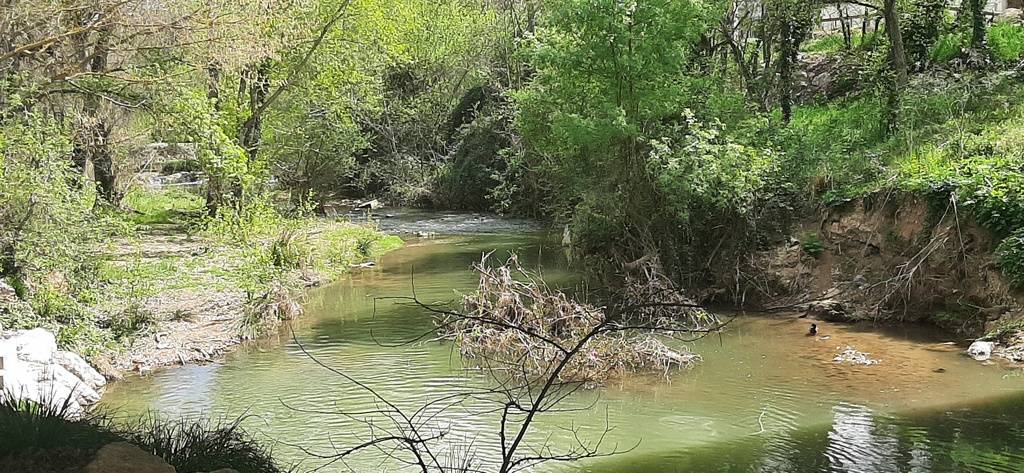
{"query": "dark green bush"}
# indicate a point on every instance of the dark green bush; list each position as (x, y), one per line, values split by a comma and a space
(1010, 256)
(50, 437)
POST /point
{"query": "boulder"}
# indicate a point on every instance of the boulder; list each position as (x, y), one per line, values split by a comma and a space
(828, 309)
(981, 350)
(77, 366)
(34, 370)
(370, 204)
(1010, 15)
(33, 346)
(123, 457)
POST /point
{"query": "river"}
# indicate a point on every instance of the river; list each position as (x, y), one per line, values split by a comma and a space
(766, 398)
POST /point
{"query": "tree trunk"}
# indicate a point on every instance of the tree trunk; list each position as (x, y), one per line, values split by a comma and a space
(897, 55)
(94, 141)
(844, 24)
(213, 184)
(257, 89)
(786, 69)
(977, 24)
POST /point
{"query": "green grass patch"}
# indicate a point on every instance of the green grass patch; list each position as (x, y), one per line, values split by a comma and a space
(957, 135)
(162, 206)
(948, 47)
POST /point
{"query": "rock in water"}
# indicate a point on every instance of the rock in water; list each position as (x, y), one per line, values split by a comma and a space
(370, 204)
(123, 457)
(853, 356)
(980, 350)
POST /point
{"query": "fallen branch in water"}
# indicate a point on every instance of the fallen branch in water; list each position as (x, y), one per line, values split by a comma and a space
(515, 323)
(539, 347)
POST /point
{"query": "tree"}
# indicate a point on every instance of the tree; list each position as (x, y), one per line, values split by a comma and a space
(86, 63)
(977, 11)
(608, 75)
(792, 20)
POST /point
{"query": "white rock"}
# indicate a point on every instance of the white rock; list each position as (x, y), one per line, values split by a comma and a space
(6, 290)
(370, 204)
(80, 368)
(34, 346)
(980, 350)
(34, 370)
(1010, 15)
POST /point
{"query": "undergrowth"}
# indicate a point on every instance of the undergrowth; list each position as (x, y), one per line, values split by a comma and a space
(49, 437)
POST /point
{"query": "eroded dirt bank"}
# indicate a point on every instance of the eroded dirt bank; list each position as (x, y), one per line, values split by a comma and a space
(888, 257)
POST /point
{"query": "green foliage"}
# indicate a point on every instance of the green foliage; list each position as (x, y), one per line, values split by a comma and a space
(27, 427)
(162, 206)
(51, 435)
(1006, 42)
(45, 205)
(1006, 330)
(608, 75)
(46, 224)
(921, 24)
(812, 245)
(202, 446)
(133, 319)
(949, 46)
(834, 43)
(832, 143)
(475, 165)
(286, 252)
(1010, 256)
(706, 173)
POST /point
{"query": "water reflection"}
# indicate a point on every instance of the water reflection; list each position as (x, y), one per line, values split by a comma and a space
(856, 444)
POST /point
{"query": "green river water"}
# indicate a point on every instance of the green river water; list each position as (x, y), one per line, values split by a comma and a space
(767, 398)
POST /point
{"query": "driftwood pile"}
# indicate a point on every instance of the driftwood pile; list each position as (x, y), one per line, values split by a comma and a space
(515, 323)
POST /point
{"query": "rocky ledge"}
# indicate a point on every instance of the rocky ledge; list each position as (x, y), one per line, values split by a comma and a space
(32, 368)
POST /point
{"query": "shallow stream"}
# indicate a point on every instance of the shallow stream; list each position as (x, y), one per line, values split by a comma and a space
(766, 398)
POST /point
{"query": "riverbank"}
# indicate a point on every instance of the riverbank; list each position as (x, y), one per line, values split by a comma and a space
(164, 290)
(202, 296)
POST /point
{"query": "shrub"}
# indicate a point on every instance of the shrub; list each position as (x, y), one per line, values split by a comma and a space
(949, 46)
(50, 437)
(1010, 256)
(812, 244)
(27, 426)
(199, 446)
(1006, 41)
(288, 253)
